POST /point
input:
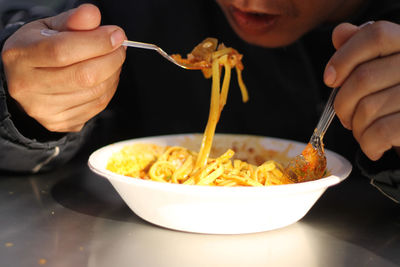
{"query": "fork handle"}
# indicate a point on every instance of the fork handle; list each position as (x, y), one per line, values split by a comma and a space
(140, 45)
(327, 115)
(49, 32)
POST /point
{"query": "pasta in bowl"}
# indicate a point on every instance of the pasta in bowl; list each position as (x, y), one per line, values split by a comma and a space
(220, 209)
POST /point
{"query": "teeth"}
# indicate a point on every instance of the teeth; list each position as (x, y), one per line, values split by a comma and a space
(255, 14)
(252, 13)
(258, 14)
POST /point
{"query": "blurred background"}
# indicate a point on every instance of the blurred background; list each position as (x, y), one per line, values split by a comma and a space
(4, 3)
(28, 8)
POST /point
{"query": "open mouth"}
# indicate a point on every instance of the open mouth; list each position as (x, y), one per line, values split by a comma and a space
(253, 22)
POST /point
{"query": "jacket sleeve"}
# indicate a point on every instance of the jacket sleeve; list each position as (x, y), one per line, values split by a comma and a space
(384, 174)
(19, 153)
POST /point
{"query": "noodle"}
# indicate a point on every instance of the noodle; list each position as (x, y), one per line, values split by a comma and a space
(179, 165)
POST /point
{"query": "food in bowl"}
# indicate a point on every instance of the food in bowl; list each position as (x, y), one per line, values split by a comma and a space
(176, 164)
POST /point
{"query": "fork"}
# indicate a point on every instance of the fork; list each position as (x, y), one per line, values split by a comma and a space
(156, 48)
(311, 163)
(49, 32)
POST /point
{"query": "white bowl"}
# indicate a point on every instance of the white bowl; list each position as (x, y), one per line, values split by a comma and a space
(219, 210)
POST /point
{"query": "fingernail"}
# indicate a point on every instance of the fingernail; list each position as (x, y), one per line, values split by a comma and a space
(48, 32)
(117, 37)
(330, 75)
(366, 23)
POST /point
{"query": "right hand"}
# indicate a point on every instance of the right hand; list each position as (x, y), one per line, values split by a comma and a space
(64, 80)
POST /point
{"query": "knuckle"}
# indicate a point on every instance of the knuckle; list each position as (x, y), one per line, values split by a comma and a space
(52, 127)
(382, 130)
(10, 55)
(101, 102)
(379, 32)
(31, 111)
(363, 76)
(57, 52)
(85, 78)
(60, 128)
(367, 107)
(96, 92)
(20, 89)
(17, 88)
(56, 124)
(37, 112)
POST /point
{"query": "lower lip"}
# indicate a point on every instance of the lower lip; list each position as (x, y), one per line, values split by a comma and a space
(253, 23)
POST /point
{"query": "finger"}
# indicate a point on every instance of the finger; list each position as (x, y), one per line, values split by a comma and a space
(66, 48)
(374, 107)
(366, 79)
(375, 40)
(84, 17)
(83, 75)
(68, 120)
(82, 79)
(55, 104)
(381, 136)
(107, 88)
(342, 33)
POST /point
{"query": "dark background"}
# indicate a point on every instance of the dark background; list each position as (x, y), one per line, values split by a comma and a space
(31, 7)
(51, 3)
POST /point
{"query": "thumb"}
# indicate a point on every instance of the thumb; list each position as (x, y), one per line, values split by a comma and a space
(343, 32)
(84, 17)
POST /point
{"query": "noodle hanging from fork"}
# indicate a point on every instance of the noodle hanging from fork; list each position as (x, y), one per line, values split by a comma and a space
(179, 165)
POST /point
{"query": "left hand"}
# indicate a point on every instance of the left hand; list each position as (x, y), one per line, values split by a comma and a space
(366, 66)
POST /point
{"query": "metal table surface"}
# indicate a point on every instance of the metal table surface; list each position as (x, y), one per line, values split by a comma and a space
(72, 217)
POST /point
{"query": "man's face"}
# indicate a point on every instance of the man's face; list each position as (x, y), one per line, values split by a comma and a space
(273, 23)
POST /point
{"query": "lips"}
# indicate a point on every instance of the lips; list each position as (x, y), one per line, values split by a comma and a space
(253, 22)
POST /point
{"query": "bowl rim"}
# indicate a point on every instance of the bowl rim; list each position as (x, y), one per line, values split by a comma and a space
(325, 182)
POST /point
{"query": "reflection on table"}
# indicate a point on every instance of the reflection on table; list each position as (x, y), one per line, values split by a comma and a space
(72, 217)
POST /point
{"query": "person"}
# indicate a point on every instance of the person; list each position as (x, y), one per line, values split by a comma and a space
(59, 91)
